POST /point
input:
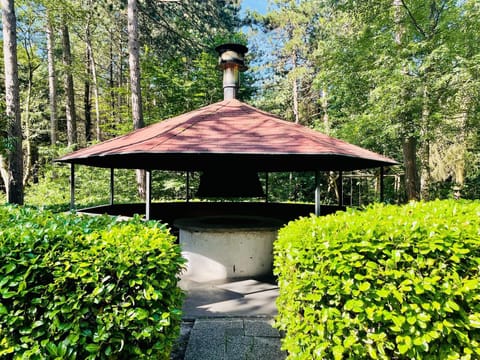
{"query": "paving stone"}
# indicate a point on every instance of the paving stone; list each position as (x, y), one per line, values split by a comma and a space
(235, 332)
(219, 324)
(216, 335)
(238, 347)
(267, 348)
(260, 327)
(207, 338)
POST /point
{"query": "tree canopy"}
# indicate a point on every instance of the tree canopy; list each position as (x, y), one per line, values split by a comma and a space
(400, 77)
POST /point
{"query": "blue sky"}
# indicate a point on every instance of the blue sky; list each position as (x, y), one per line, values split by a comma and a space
(258, 40)
(258, 5)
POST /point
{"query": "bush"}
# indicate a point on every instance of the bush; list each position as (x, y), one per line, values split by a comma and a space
(78, 287)
(385, 283)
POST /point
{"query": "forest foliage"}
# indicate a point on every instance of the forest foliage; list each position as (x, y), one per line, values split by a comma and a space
(81, 46)
(400, 77)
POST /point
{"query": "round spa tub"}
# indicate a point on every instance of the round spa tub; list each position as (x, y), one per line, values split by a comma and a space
(226, 247)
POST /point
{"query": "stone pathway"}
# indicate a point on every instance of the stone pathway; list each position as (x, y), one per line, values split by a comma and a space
(234, 338)
(228, 321)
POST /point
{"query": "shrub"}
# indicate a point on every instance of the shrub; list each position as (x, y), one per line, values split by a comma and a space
(385, 283)
(78, 287)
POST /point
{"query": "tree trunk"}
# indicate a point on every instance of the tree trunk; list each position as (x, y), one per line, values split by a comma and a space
(122, 82)
(112, 80)
(324, 105)
(426, 173)
(409, 140)
(98, 133)
(28, 134)
(52, 82)
(460, 162)
(28, 160)
(93, 72)
(411, 175)
(295, 87)
(87, 99)
(14, 166)
(134, 64)
(71, 115)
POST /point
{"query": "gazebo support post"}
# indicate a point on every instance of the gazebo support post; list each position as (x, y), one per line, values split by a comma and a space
(340, 188)
(72, 186)
(317, 193)
(148, 194)
(187, 195)
(112, 185)
(266, 187)
(382, 185)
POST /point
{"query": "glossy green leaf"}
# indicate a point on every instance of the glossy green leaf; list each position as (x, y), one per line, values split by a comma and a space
(72, 291)
(92, 348)
(364, 286)
(414, 303)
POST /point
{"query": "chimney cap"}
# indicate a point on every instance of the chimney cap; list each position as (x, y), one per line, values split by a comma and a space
(241, 49)
(232, 54)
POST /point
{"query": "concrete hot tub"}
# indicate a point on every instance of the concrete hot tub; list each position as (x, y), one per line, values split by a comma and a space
(227, 247)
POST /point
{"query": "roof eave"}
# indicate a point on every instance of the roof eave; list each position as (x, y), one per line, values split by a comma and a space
(194, 161)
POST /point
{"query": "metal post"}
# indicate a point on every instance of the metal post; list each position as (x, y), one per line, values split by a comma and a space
(382, 185)
(351, 191)
(340, 188)
(112, 185)
(317, 193)
(188, 187)
(266, 187)
(148, 194)
(72, 186)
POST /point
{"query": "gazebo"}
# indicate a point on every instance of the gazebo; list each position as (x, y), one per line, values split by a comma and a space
(229, 142)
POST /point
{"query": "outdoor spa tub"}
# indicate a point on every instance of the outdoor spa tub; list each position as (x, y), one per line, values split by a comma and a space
(227, 247)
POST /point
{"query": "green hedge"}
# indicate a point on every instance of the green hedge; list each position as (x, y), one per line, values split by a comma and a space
(384, 283)
(78, 287)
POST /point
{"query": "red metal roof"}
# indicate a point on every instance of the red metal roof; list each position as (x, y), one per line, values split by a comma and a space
(227, 133)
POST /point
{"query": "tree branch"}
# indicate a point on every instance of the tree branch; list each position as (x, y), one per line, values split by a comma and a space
(414, 21)
(161, 21)
(436, 14)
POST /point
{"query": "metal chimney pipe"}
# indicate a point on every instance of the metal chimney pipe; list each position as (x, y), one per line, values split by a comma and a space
(232, 62)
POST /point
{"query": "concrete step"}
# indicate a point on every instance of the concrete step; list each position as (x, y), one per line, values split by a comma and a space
(243, 297)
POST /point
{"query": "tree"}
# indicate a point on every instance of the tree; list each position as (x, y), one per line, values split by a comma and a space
(91, 77)
(134, 64)
(408, 132)
(26, 32)
(12, 163)
(52, 79)
(288, 91)
(72, 139)
(388, 75)
(135, 84)
(174, 37)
